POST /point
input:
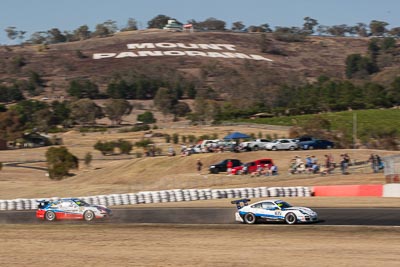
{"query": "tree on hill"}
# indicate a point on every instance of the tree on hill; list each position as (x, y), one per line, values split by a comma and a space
(115, 109)
(395, 32)
(82, 33)
(85, 111)
(309, 24)
(26, 110)
(105, 29)
(158, 21)
(286, 34)
(55, 36)
(83, 88)
(237, 26)
(131, 25)
(11, 127)
(378, 28)
(10, 93)
(60, 114)
(361, 29)
(38, 38)
(60, 161)
(165, 101)
(212, 24)
(147, 117)
(121, 90)
(360, 66)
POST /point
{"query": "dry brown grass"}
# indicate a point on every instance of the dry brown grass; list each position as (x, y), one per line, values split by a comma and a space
(108, 175)
(194, 245)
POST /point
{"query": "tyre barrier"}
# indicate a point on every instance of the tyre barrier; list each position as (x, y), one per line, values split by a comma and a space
(174, 195)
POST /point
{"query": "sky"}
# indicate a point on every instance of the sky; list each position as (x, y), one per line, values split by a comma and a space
(67, 15)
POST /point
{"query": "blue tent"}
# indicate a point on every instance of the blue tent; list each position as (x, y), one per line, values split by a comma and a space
(236, 135)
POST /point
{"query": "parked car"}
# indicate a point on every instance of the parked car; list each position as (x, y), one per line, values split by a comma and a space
(255, 144)
(251, 166)
(71, 209)
(282, 144)
(222, 166)
(316, 144)
(272, 210)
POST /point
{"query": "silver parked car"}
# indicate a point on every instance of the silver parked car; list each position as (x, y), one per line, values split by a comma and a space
(282, 144)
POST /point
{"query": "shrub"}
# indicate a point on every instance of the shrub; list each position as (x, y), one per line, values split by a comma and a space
(175, 138)
(109, 148)
(146, 117)
(125, 147)
(60, 161)
(88, 158)
(143, 143)
(105, 148)
(138, 128)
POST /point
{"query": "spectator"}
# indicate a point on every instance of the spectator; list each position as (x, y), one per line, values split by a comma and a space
(376, 163)
(344, 163)
(308, 161)
(229, 167)
(273, 170)
(245, 169)
(328, 164)
(171, 152)
(199, 165)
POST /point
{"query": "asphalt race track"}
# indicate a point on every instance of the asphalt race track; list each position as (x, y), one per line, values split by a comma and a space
(327, 216)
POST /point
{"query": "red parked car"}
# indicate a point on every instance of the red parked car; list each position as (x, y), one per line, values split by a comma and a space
(252, 166)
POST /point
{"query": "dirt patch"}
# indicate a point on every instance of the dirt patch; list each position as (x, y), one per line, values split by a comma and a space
(209, 245)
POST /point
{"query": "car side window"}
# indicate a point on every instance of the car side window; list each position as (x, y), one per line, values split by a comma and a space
(267, 205)
(257, 206)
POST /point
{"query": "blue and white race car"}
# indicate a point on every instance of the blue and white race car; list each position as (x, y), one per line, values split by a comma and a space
(272, 210)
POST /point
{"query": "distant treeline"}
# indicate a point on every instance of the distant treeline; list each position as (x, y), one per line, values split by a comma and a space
(109, 27)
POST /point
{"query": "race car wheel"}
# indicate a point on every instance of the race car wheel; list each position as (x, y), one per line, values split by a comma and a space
(255, 148)
(88, 215)
(250, 218)
(292, 148)
(50, 216)
(274, 148)
(290, 218)
(310, 147)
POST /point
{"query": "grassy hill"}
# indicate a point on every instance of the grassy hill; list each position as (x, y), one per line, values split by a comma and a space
(293, 62)
(363, 119)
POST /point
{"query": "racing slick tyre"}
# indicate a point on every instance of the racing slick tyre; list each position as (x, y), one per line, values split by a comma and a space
(274, 148)
(255, 148)
(310, 147)
(50, 216)
(88, 215)
(290, 218)
(292, 148)
(250, 218)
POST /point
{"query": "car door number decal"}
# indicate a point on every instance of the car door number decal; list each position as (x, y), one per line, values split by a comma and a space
(278, 213)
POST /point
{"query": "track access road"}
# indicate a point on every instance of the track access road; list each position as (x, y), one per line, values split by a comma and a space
(327, 216)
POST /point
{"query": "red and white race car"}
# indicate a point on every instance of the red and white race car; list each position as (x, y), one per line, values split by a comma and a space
(70, 209)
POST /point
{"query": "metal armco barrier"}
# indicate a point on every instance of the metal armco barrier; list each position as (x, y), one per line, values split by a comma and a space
(174, 195)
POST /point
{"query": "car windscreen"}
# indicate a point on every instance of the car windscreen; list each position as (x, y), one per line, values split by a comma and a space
(81, 203)
(283, 204)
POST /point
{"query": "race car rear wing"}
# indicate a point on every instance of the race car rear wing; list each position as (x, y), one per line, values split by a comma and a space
(240, 203)
(42, 203)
